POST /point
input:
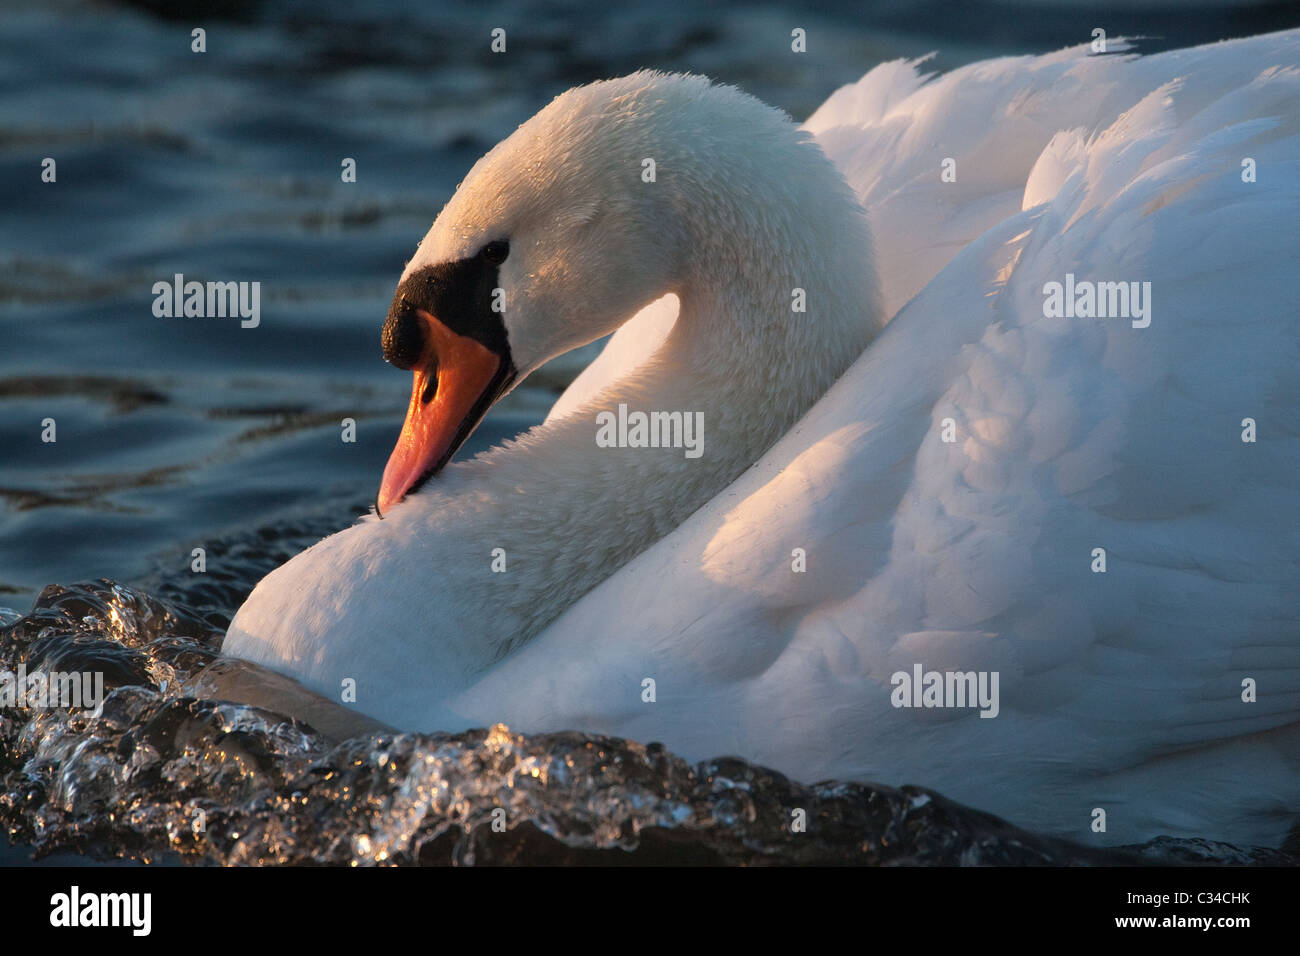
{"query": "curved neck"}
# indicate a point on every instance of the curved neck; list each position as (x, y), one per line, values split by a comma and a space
(743, 360)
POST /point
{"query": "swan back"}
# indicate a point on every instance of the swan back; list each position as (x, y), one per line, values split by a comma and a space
(1121, 688)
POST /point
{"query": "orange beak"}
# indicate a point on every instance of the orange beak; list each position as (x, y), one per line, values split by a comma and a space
(456, 380)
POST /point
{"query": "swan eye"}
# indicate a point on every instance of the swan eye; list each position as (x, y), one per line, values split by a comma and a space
(496, 251)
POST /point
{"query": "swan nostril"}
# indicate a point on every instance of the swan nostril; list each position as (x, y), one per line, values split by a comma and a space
(403, 336)
(431, 386)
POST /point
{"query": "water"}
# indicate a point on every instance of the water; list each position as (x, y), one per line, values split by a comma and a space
(176, 434)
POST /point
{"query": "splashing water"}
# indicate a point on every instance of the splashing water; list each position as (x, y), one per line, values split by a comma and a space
(156, 774)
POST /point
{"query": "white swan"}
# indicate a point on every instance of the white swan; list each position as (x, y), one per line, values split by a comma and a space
(1120, 691)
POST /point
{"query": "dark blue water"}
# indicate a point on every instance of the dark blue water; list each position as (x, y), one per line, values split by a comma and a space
(174, 434)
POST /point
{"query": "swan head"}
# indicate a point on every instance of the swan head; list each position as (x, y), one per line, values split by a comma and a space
(607, 199)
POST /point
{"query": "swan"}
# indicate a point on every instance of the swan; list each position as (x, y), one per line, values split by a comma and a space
(911, 463)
